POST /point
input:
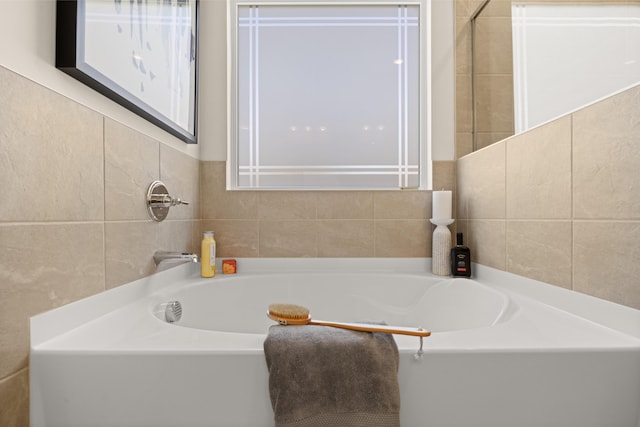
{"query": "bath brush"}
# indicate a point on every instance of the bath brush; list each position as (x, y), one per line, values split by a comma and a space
(291, 314)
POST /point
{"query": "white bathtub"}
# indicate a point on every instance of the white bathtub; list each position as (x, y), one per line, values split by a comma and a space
(505, 351)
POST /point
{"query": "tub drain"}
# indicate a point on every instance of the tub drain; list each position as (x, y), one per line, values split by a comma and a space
(172, 311)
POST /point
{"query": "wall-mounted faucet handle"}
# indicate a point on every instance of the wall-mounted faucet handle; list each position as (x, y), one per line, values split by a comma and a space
(178, 201)
(165, 201)
(159, 201)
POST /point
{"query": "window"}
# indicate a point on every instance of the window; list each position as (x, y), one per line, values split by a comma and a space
(328, 96)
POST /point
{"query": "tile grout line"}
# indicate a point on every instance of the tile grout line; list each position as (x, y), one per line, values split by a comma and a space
(104, 203)
(573, 250)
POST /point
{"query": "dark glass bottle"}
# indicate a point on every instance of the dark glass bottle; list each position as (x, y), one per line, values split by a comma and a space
(460, 259)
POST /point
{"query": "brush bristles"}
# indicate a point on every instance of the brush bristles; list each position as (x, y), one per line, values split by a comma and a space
(289, 311)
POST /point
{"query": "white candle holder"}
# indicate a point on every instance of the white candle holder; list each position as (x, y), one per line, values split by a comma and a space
(441, 247)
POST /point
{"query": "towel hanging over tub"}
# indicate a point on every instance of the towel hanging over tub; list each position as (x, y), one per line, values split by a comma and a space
(321, 377)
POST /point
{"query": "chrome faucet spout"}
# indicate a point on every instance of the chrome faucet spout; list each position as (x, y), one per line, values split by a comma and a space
(160, 257)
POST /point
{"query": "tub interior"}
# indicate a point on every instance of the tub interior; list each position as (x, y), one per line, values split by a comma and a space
(431, 303)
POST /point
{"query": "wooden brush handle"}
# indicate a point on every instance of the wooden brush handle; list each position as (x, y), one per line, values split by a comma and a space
(365, 327)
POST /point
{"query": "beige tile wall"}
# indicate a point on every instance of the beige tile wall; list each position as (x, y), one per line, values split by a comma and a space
(561, 203)
(491, 64)
(318, 223)
(72, 217)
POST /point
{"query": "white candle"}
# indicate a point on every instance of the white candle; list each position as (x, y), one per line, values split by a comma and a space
(442, 205)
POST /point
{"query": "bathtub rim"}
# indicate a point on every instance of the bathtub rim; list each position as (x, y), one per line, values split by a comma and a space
(51, 324)
(615, 316)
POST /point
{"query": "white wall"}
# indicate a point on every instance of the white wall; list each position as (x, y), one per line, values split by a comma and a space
(27, 47)
(213, 80)
(443, 75)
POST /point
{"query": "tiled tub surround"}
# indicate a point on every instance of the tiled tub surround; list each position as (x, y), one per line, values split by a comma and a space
(72, 219)
(318, 223)
(561, 203)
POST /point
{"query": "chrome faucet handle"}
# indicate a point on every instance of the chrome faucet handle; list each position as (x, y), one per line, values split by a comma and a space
(178, 201)
(159, 201)
(165, 201)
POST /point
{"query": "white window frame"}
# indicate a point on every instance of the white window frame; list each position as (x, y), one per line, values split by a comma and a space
(425, 112)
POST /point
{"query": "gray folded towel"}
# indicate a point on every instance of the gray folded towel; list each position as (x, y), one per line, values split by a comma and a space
(322, 376)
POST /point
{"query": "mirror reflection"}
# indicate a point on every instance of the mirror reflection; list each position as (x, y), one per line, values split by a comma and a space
(535, 61)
